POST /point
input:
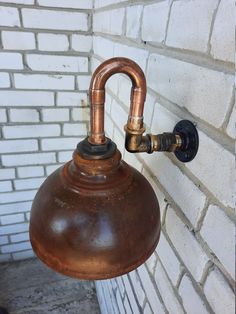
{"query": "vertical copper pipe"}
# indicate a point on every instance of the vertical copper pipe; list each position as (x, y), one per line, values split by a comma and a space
(97, 96)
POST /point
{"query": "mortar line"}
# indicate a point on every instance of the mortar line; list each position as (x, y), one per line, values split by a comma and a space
(211, 27)
(188, 56)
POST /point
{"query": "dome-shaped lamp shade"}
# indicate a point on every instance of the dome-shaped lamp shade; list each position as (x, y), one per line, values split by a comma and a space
(95, 219)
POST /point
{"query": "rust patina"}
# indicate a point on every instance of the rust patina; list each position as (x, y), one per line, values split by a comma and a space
(97, 217)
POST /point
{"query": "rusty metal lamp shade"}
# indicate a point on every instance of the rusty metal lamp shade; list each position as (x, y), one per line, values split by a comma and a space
(97, 217)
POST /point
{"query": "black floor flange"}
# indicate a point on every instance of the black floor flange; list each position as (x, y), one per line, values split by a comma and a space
(189, 135)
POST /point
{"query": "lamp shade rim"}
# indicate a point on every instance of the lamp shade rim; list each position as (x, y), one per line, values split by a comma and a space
(51, 262)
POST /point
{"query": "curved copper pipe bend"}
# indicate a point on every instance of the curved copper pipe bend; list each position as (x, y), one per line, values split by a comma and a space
(97, 95)
(135, 141)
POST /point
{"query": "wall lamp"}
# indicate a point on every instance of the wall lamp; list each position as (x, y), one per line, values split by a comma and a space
(97, 217)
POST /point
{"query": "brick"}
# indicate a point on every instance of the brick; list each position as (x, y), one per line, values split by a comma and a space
(24, 115)
(53, 42)
(214, 225)
(58, 20)
(153, 298)
(167, 293)
(108, 102)
(14, 146)
(127, 305)
(111, 23)
(112, 84)
(23, 255)
(28, 159)
(81, 43)
(43, 81)
(80, 114)
(10, 248)
(100, 296)
(222, 39)
(168, 259)
(65, 156)
(71, 4)
(140, 56)
(138, 290)
(118, 115)
(113, 283)
(130, 294)
(7, 174)
(28, 216)
(19, 1)
(103, 3)
(3, 240)
(120, 303)
(26, 98)
(53, 115)
(57, 63)
(36, 130)
(221, 182)
(191, 300)
(219, 294)
(83, 82)
(148, 110)
(11, 60)
(79, 129)
(9, 16)
(184, 241)
(124, 91)
(51, 169)
(151, 263)
(14, 228)
(112, 298)
(102, 47)
(18, 40)
(11, 219)
(133, 17)
(120, 285)
(147, 309)
(20, 196)
(28, 184)
(163, 120)
(231, 125)
(119, 139)
(183, 31)
(132, 160)
(3, 115)
(5, 186)
(155, 17)
(71, 99)
(109, 126)
(4, 80)
(59, 143)
(204, 92)
(189, 198)
(15, 208)
(30, 171)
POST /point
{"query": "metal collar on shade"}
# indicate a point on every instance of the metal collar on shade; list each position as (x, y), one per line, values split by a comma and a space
(97, 217)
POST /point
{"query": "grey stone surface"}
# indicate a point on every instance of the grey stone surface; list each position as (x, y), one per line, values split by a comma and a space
(30, 287)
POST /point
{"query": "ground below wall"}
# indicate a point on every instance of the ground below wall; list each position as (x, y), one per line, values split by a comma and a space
(29, 287)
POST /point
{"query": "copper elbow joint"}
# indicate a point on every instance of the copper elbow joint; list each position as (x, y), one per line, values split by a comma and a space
(184, 139)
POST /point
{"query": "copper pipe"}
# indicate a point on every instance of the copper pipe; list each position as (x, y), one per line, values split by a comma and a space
(135, 141)
(97, 96)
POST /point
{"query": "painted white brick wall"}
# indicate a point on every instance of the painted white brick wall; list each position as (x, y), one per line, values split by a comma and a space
(43, 51)
(186, 51)
(196, 35)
